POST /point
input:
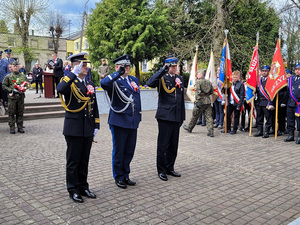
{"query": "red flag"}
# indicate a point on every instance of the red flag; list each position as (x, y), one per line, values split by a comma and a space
(253, 75)
(276, 79)
(228, 65)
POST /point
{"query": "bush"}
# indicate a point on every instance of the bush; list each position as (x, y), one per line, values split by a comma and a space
(95, 78)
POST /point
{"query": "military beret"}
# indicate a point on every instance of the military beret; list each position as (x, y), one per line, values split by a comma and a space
(172, 60)
(1, 52)
(7, 50)
(288, 71)
(265, 67)
(122, 60)
(297, 66)
(81, 56)
(15, 63)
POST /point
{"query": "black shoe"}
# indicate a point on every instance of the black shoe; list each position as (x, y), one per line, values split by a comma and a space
(246, 129)
(223, 131)
(210, 134)
(242, 129)
(36, 92)
(289, 138)
(286, 131)
(12, 131)
(88, 194)
(203, 124)
(163, 176)
(216, 125)
(57, 96)
(76, 197)
(121, 184)
(271, 131)
(266, 135)
(255, 126)
(186, 128)
(20, 130)
(173, 173)
(233, 132)
(220, 127)
(129, 182)
(279, 133)
(259, 133)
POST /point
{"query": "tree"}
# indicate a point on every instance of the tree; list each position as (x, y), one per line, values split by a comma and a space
(56, 28)
(22, 11)
(117, 27)
(3, 27)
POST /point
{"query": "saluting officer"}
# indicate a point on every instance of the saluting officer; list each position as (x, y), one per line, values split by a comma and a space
(124, 118)
(263, 105)
(80, 126)
(170, 115)
(293, 105)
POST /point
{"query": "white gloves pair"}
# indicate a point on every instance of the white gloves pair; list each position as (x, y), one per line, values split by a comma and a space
(77, 69)
(271, 107)
(95, 132)
(282, 105)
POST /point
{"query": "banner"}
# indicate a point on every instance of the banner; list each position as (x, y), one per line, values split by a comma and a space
(211, 76)
(190, 92)
(253, 75)
(277, 78)
(225, 66)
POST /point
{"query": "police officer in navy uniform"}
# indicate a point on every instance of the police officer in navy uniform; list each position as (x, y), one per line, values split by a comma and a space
(124, 118)
(292, 109)
(170, 115)
(80, 126)
(263, 105)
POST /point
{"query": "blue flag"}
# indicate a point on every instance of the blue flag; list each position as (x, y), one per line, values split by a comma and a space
(249, 94)
(222, 67)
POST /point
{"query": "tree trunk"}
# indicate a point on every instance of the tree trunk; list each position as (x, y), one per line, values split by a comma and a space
(137, 70)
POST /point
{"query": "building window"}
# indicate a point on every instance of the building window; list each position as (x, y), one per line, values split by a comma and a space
(76, 45)
(86, 44)
(50, 45)
(145, 66)
(34, 43)
(11, 42)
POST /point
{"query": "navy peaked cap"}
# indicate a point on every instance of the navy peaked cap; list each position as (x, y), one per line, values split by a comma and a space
(122, 60)
(265, 67)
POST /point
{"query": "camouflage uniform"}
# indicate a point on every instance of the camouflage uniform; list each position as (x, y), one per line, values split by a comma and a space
(203, 89)
(15, 100)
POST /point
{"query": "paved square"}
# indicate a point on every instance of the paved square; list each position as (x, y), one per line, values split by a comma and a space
(228, 179)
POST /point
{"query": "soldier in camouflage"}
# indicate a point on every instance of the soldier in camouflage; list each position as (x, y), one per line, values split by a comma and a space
(203, 90)
(15, 97)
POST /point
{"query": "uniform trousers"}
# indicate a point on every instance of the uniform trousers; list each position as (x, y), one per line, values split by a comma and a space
(205, 110)
(78, 154)
(219, 113)
(167, 145)
(233, 109)
(243, 116)
(262, 112)
(124, 141)
(16, 111)
(291, 117)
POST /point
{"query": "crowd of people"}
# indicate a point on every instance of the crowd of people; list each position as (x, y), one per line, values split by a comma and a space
(237, 107)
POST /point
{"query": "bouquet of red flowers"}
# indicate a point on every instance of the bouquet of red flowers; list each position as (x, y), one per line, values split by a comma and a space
(20, 85)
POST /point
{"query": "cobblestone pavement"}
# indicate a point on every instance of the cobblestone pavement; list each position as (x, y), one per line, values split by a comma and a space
(228, 179)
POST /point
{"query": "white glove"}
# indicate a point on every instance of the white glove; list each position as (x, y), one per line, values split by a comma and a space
(223, 103)
(282, 105)
(271, 107)
(77, 69)
(95, 132)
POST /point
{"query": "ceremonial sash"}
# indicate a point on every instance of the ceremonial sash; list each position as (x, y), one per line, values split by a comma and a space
(218, 89)
(263, 92)
(291, 80)
(236, 97)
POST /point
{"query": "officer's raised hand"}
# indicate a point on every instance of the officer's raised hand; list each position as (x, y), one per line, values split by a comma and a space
(121, 70)
(166, 67)
(77, 69)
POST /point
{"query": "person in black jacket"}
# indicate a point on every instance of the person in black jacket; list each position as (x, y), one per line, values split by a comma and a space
(80, 126)
(263, 105)
(170, 115)
(235, 101)
(37, 72)
(293, 105)
(57, 69)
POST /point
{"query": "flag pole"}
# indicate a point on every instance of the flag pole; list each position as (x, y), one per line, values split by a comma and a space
(225, 81)
(252, 101)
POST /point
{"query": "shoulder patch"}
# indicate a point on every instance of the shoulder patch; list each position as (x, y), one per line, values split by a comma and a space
(66, 79)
